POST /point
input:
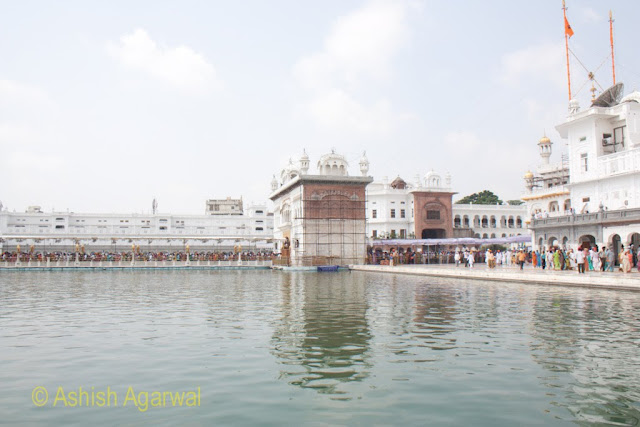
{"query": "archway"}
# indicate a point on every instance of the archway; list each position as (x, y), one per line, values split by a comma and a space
(433, 233)
(565, 241)
(552, 241)
(586, 241)
(634, 239)
(616, 247)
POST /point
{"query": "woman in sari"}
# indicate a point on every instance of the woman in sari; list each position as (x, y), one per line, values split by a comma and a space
(556, 259)
(626, 261)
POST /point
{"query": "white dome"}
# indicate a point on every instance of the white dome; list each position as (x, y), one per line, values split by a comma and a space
(333, 164)
(632, 97)
(432, 180)
(289, 172)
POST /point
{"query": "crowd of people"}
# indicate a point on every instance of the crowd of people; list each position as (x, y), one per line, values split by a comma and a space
(138, 256)
(583, 259)
(586, 258)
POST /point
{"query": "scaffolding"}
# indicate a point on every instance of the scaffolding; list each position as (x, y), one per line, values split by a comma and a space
(332, 230)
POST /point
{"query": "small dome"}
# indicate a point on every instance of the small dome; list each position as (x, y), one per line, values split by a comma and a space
(333, 164)
(544, 140)
(432, 180)
(398, 184)
(305, 156)
(528, 175)
(632, 97)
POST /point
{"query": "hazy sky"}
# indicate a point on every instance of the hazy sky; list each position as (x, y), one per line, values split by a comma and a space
(104, 105)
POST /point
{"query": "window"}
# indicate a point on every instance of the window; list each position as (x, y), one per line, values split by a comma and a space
(403, 234)
(259, 228)
(374, 213)
(374, 234)
(402, 213)
(259, 212)
(584, 162)
(618, 135)
(393, 213)
(58, 227)
(433, 214)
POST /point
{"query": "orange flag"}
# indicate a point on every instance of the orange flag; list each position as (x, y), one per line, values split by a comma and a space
(567, 28)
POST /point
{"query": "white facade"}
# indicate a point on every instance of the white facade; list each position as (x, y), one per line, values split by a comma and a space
(390, 211)
(603, 189)
(62, 230)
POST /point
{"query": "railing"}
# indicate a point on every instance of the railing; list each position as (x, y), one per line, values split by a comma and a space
(70, 262)
(630, 215)
(624, 161)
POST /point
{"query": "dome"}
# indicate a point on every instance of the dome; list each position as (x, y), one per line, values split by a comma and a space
(632, 97)
(528, 175)
(333, 164)
(432, 179)
(289, 172)
(398, 184)
(544, 140)
(305, 156)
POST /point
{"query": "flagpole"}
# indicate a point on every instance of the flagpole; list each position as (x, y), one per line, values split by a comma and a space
(566, 46)
(613, 62)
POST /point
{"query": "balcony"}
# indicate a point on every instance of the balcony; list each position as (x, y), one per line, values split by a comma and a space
(621, 216)
(619, 163)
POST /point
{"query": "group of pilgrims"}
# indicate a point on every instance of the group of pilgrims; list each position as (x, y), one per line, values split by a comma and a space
(585, 258)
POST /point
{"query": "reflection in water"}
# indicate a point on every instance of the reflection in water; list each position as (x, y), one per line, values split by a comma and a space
(589, 364)
(323, 336)
(435, 316)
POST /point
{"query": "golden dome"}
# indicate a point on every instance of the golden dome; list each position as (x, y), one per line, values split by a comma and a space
(544, 140)
(528, 175)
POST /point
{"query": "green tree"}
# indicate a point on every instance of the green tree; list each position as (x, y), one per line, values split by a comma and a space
(485, 197)
(515, 202)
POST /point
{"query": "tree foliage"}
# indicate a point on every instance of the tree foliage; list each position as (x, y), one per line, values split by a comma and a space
(485, 197)
(516, 202)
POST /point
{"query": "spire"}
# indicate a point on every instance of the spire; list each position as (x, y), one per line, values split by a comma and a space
(364, 164)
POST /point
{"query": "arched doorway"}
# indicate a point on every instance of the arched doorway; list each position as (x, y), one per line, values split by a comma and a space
(586, 241)
(553, 241)
(433, 233)
(616, 247)
(634, 239)
(565, 242)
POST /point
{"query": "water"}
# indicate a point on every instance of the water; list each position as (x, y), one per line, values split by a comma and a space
(276, 348)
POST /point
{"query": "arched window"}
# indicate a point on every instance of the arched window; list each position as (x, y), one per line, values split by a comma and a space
(492, 221)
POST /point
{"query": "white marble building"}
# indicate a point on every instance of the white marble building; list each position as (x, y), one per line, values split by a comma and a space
(390, 211)
(53, 231)
(600, 202)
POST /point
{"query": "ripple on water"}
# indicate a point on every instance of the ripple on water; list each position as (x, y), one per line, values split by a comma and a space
(354, 348)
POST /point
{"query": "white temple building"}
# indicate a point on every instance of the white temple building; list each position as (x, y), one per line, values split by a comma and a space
(252, 228)
(391, 212)
(593, 197)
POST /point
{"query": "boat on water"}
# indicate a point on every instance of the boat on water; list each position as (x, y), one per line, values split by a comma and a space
(328, 268)
(294, 268)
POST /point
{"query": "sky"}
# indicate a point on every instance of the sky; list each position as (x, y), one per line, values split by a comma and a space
(106, 105)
